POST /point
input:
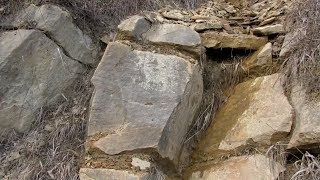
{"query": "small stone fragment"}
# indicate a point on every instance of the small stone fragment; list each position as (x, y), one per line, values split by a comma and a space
(133, 27)
(143, 165)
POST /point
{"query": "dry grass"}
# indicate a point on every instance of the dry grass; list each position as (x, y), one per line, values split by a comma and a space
(307, 168)
(303, 63)
(53, 146)
(100, 16)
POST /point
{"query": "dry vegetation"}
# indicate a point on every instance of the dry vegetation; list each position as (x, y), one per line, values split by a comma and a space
(53, 146)
(100, 16)
(303, 64)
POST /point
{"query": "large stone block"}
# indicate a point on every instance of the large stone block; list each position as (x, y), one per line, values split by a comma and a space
(33, 70)
(143, 100)
(257, 112)
(58, 24)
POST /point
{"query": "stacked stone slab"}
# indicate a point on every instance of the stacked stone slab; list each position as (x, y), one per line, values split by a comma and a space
(144, 103)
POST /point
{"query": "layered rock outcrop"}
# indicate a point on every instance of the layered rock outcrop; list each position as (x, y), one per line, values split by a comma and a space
(40, 63)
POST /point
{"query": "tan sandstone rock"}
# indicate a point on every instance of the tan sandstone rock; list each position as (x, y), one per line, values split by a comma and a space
(269, 30)
(143, 100)
(241, 168)
(239, 41)
(307, 128)
(257, 112)
(260, 58)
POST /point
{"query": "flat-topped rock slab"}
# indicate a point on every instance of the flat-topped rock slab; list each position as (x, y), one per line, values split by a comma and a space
(143, 100)
(173, 34)
(217, 40)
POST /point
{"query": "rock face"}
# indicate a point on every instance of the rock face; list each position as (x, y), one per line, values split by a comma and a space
(238, 41)
(134, 27)
(110, 174)
(307, 129)
(173, 34)
(33, 71)
(243, 167)
(257, 112)
(290, 42)
(260, 58)
(57, 24)
(269, 30)
(143, 100)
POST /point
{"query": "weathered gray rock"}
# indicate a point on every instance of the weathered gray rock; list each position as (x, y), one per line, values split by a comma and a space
(307, 128)
(33, 70)
(269, 30)
(260, 58)
(134, 27)
(243, 167)
(218, 40)
(173, 34)
(57, 24)
(257, 111)
(143, 100)
(109, 174)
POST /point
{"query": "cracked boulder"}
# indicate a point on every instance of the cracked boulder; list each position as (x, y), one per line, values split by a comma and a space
(306, 133)
(57, 23)
(33, 71)
(243, 167)
(257, 113)
(143, 100)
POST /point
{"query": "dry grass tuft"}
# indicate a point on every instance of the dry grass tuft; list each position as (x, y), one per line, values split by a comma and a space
(307, 168)
(277, 154)
(53, 146)
(303, 63)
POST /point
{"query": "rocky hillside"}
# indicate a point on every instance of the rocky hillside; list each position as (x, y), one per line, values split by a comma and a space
(219, 92)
